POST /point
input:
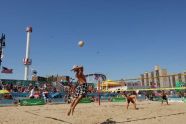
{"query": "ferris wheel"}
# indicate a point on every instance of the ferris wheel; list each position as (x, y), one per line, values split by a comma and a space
(94, 78)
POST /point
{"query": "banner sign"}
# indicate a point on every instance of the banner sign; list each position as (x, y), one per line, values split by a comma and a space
(175, 100)
(31, 102)
(184, 100)
(118, 99)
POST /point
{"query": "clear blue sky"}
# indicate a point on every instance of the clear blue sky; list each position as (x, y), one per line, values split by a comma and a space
(123, 38)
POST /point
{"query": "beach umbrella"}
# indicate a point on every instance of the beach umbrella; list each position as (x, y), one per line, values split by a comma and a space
(4, 91)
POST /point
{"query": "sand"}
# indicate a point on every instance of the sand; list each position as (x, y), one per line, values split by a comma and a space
(107, 113)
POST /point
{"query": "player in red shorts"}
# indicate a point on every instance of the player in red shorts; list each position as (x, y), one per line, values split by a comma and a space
(130, 99)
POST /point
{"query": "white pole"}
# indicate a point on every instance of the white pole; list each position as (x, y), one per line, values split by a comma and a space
(27, 61)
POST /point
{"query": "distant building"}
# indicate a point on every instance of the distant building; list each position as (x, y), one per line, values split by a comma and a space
(156, 78)
(177, 77)
(159, 77)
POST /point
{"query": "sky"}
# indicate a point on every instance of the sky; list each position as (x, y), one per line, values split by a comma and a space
(123, 38)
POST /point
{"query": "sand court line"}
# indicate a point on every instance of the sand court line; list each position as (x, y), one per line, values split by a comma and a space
(56, 119)
(154, 117)
(110, 121)
(32, 113)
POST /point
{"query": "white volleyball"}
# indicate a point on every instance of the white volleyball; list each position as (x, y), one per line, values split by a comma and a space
(81, 43)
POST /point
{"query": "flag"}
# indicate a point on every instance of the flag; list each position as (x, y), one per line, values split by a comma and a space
(6, 70)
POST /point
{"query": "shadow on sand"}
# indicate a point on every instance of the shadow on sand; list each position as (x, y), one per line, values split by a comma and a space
(109, 121)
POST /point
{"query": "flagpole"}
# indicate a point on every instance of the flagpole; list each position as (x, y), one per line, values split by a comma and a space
(27, 61)
(2, 45)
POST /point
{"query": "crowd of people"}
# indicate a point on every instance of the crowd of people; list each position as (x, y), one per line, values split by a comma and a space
(43, 90)
(33, 91)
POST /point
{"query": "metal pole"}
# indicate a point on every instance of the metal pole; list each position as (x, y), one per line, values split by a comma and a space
(99, 91)
(2, 45)
(0, 53)
(27, 60)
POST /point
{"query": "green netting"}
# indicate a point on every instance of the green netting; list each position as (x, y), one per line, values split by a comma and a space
(157, 99)
(32, 102)
(184, 100)
(85, 100)
(179, 84)
(118, 99)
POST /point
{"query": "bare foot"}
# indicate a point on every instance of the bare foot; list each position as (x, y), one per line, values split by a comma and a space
(69, 112)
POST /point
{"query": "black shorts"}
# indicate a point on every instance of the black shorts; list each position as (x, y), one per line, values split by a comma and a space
(164, 98)
(81, 89)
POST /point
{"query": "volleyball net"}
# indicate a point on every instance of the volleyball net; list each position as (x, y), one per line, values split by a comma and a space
(149, 89)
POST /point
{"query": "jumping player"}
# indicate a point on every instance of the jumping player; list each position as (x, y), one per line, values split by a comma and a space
(81, 89)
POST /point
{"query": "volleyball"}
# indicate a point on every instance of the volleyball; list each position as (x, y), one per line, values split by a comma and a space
(81, 43)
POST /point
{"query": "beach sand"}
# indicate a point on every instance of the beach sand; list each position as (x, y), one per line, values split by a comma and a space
(107, 113)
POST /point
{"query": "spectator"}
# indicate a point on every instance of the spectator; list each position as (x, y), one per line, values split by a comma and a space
(32, 92)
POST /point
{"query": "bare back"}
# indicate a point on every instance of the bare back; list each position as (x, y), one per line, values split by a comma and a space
(80, 76)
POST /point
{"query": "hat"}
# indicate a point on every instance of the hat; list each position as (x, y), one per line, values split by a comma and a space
(74, 67)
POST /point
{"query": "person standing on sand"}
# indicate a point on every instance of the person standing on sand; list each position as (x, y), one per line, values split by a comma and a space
(164, 97)
(134, 95)
(81, 89)
(130, 99)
